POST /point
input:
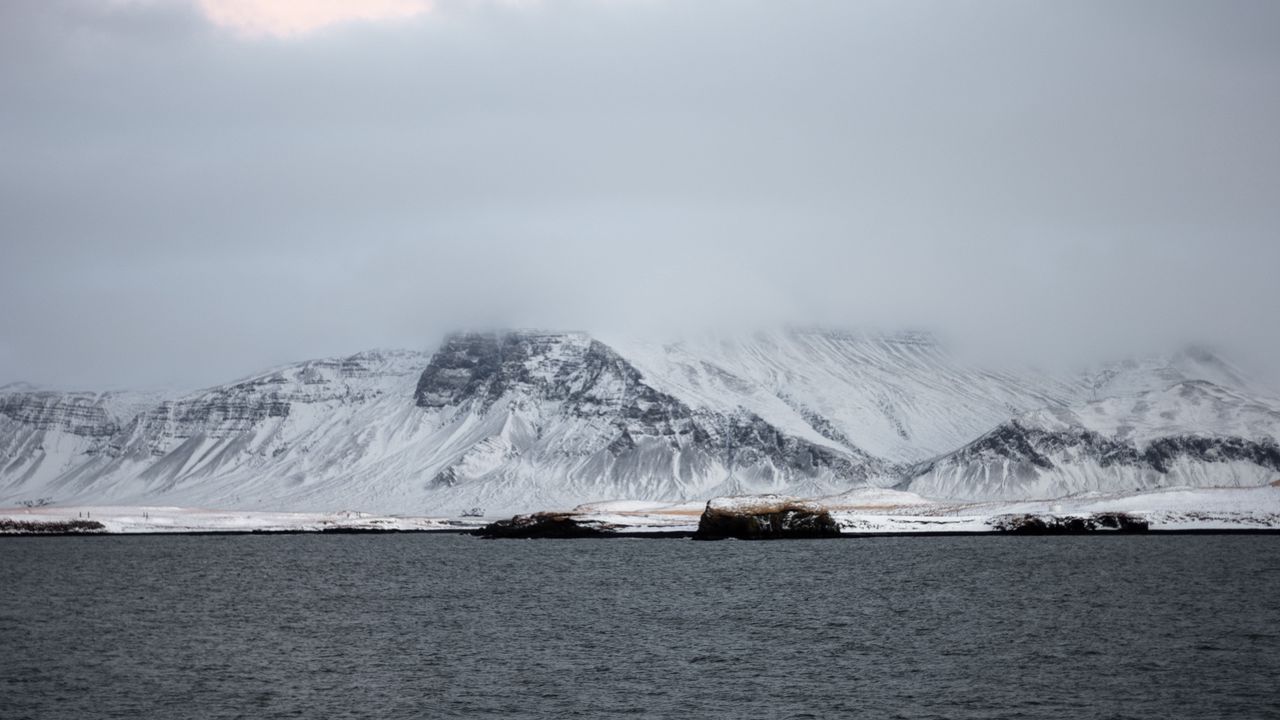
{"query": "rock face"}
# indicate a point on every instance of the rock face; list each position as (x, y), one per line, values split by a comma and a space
(44, 435)
(521, 421)
(1068, 525)
(764, 518)
(83, 414)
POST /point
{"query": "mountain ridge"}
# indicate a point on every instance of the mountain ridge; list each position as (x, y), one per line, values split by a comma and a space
(521, 420)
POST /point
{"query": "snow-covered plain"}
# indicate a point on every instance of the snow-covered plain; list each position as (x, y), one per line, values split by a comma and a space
(1169, 509)
(146, 519)
(880, 511)
(864, 511)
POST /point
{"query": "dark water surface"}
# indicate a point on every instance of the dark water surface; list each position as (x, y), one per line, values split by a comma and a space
(431, 626)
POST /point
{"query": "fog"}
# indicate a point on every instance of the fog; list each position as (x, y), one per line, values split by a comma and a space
(183, 202)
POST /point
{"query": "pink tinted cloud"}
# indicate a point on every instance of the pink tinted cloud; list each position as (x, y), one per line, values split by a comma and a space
(291, 18)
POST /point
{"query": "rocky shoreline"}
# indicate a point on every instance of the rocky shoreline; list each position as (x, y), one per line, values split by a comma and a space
(773, 518)
(50, 527)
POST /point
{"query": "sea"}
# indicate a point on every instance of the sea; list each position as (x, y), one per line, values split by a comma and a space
(452, 626)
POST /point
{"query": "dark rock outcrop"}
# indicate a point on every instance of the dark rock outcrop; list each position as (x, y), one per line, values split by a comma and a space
(1068, 525)
(1162, 453)
(765, 520)
(542, 525)
(1018, 441)
(49, 527)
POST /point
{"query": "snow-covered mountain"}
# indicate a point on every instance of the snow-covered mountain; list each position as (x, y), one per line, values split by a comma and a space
(1193, 433)
(533, 420)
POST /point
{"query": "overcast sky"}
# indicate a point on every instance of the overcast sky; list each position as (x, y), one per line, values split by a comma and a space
(194, 189)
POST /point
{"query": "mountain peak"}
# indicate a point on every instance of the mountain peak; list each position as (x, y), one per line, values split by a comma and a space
(485, 365)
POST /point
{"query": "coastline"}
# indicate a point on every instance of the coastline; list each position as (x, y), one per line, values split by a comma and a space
(656, 535)
(861, 513)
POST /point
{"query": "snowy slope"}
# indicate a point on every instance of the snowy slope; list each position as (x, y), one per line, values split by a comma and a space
(1138, 375)
(1195, 433)
(899, 396)
(895, 396)
(253, 437)
(568, 417)
(45, 434)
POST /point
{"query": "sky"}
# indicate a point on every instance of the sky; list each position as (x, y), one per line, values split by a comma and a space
(191, 190)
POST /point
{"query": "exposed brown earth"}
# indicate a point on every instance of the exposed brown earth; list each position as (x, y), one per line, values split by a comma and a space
(766, 522)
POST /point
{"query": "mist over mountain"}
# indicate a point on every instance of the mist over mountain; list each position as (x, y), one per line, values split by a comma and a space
(189, 195)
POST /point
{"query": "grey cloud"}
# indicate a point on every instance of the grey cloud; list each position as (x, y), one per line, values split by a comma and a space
(180, 205)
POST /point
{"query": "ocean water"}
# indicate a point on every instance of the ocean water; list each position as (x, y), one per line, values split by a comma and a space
(437, 626)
